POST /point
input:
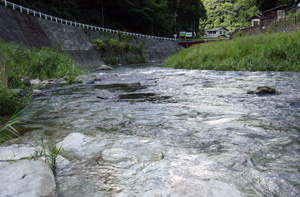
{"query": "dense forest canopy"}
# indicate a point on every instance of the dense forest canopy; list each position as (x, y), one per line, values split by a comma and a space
(156, 17)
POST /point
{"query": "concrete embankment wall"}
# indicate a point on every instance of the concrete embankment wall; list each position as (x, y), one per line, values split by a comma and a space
(33, 31)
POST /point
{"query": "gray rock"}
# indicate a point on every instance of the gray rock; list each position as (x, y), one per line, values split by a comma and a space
(15, 152)
(79, 79)
(26, 178)
(104, 67)
(115, 155)
(104, 94)
(89, 80)
(79, 146)
(35, 82)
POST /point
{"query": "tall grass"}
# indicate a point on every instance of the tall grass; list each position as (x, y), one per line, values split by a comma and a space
(268, 52)
(46, 63)
(7, 129)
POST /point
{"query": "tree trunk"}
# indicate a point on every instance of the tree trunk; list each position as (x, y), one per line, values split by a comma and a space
(3, 76)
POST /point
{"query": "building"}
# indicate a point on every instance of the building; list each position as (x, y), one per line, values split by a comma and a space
(216, 32)
(269, 15)
(255, 19)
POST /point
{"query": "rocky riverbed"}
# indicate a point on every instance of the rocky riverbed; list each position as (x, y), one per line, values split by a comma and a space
(151, 131)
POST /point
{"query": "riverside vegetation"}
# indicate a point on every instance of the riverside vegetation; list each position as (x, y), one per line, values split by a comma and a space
(122, 50)
(267, 52)
(22, 64)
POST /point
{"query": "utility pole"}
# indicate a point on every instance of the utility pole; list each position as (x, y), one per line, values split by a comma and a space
(102, 15)
(175, 16)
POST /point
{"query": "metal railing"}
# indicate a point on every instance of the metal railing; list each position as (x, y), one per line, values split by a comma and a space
(75, 24)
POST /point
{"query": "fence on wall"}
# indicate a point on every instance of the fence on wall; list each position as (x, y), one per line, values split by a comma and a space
(264, 26)
(75, 24)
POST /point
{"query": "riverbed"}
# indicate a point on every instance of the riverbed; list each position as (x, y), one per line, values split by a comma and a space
(147, 130)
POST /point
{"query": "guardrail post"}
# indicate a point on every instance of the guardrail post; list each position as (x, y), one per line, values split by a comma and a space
(40, 15)
(14, 6)
(27, 11)
(21, 9)
(5, 3)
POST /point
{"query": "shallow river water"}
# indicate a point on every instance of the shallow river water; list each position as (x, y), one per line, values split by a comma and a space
(177, 133)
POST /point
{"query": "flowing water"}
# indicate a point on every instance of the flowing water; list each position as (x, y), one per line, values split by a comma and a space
(177, 133)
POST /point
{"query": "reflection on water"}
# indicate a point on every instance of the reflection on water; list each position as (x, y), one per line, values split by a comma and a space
(178, 131)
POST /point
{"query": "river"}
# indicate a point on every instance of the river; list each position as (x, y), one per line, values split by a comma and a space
(175, 133)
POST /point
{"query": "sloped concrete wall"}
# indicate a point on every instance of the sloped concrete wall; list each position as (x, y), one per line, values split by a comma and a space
(35, 32)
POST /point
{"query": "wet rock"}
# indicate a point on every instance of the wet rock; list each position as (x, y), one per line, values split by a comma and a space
(79, 146)
(15, 152)
(104, 67)
(62, 163)
(26, 178)
(190, 188)
(88, 80)
(104, 94)
(115, 155)
(263, 90)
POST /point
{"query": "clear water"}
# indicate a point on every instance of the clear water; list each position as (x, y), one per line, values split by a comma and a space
(180, 130)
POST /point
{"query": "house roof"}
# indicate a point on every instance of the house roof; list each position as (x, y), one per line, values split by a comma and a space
(216, 29)
(276, 8)
(255, 16)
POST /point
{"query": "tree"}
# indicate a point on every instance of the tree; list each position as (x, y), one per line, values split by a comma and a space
(228, 13)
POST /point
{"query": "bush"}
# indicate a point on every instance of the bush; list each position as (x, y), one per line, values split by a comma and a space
(112, 48)
(10, 102)
(46, 63)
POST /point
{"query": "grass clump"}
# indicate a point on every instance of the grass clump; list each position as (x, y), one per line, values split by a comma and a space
(267, 52)
(7, 129)
(21, 62)
(10, 102)
(49, 151)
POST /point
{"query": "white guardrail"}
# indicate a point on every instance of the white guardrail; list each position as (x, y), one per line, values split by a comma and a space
(75, 24)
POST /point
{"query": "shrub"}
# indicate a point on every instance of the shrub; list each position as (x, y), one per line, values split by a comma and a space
(46, 63)
(10, 102)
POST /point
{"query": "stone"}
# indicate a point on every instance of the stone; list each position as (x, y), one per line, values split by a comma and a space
(104, 94)
(15, 152)
(88, 80)
(104, 67)
(35, 82)
(79, 79)
(26, 178)
(79, 146)
(263, 90)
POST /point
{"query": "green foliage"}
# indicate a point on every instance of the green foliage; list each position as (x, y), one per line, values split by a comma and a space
(112, 50)
(46, 63)
(269, 52)
(10, 102)
(7, 130)
(228, 13)
(50, 151)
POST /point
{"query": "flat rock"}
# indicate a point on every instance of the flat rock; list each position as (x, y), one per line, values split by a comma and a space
(35, 82)
(79, 146)
(115, 155)
(15, 152)
(89, 80)
(104, 94)
(26, 178)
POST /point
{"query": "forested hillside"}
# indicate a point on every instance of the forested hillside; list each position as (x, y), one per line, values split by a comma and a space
(153, 17)
(156, 17)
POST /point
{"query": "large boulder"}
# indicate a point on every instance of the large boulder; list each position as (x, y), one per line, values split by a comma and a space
(80, 146)
(264, 90)
(26, 178)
